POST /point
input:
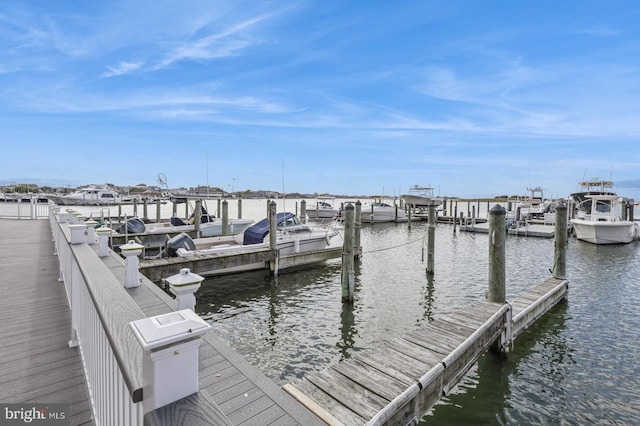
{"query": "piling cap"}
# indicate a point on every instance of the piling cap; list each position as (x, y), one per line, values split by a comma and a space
(349, 207)
(497, 209)
(131, 246)
(184, 277)
(104, 230)
(90, 222)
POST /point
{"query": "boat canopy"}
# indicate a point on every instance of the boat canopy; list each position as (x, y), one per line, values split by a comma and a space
(255, 234)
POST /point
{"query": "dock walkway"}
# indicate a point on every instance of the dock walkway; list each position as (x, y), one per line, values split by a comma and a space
(243, 394)
(38, 366)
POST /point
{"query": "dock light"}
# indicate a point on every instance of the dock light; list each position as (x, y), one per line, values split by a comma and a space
(184, 285)
(104, 233)
(131, 251)
(91, 231)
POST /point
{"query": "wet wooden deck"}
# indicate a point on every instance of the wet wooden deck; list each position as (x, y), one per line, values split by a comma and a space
(38, 366)
(398, 381)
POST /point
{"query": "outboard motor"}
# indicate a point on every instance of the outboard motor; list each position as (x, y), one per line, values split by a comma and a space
(181, 240)
(133, 225)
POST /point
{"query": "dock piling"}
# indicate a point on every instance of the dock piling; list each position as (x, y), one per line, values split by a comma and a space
(197, 217)
(239, 208)
(225, 218)
(560, 243)
(497, 238)
(273, 224)
(303, 211)
(347, 277)
(357, 226)
(431, 240)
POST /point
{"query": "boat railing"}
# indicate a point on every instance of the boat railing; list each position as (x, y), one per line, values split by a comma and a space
(100, 314)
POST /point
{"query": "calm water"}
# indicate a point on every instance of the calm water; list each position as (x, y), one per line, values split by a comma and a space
(579, 365)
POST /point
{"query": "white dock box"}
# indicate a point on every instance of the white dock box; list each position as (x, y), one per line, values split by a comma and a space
(170, 342)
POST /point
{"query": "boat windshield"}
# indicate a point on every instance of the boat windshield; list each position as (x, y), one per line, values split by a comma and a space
(603, 206)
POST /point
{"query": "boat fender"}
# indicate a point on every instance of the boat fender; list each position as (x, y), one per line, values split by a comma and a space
(327, 238)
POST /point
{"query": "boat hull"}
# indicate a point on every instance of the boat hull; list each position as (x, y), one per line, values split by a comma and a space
(602, 232)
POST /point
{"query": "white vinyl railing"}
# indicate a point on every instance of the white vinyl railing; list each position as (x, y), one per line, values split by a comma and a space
(100, 314)
(24, 210)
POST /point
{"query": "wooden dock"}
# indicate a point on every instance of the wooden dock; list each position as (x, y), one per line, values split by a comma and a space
(400, 380)
(38, 366)
(530, 230)
(156, 269)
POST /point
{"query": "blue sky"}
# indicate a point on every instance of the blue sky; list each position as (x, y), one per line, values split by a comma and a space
(475, 98)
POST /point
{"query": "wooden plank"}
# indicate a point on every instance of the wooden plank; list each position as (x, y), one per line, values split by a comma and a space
(350, 394)
(343, 414)
(370, 378)
(394, 364)
(316, 408)
(414, 351)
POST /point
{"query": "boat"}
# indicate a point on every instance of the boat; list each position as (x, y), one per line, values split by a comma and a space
(599, 220)
(323, 209)
(382, 212)
(292, 237)
(421, 196)
(93, 195)
(210, 227)
(535, 206)
(593, 186)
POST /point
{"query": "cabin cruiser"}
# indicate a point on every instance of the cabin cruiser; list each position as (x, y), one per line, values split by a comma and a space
(322, 210)
(89, 196)
(599, 220)
(421, 196)
(382, 212)
(292, 237)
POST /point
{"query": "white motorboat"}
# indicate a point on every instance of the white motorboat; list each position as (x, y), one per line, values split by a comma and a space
(382, 212)
(323, 209)
(90, 196)
(535, 206)
(292, 237)
(421, 196)
(603, 222)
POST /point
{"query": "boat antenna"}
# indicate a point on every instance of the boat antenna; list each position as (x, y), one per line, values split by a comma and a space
(283, 197)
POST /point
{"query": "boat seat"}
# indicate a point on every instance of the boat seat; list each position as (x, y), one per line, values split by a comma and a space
(176, 221)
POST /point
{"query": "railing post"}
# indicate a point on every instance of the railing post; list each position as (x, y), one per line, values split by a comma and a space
(170, 362)
(497, 237)
(560, 243)
(77, 233)
(131, 250)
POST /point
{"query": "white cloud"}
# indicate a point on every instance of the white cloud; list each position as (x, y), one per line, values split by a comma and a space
(121, 69)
